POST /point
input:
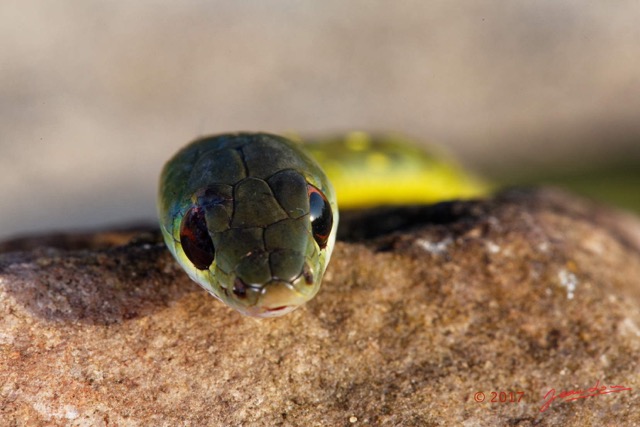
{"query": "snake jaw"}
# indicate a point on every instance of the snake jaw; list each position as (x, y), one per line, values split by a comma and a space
(260, 312)
(278, 298)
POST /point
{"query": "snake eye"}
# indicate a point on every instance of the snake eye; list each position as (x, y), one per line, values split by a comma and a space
(321, 216)
(195, 239)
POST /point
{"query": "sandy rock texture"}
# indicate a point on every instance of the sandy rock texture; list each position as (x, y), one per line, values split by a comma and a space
(527, 292)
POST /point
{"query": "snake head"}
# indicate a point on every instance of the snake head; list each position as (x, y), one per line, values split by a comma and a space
(251, 218)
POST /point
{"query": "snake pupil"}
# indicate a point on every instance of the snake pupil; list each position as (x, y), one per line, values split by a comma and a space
(321, 216)
(195, 239)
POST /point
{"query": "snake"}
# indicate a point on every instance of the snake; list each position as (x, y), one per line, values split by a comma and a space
(252, 216)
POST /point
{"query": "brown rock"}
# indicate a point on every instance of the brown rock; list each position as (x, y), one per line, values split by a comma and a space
(523, 293)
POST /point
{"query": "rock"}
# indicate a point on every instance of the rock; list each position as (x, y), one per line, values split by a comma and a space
(422, 309)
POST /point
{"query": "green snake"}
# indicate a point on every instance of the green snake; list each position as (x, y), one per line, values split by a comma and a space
(252, 217)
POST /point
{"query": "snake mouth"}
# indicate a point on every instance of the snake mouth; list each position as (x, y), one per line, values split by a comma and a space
(261, 311)
(277, 298)
(276, 311)
(280, 297)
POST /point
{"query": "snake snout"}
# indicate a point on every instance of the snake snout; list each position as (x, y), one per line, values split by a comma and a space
(276, 297)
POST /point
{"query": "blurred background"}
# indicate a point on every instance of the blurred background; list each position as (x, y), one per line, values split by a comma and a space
(95, 96)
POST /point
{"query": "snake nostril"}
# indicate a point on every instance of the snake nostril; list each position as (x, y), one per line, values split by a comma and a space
(308, 275)
(239, 288)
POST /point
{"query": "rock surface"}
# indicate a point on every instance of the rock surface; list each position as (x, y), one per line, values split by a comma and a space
(529, 291)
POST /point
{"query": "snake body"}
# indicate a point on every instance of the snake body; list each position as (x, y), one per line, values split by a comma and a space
(252, 217)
